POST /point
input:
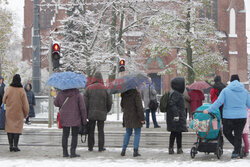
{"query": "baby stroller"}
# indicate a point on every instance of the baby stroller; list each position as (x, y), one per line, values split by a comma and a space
(209, 135)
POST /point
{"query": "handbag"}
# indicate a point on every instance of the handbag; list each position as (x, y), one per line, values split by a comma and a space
(153, 104)
(84, 130)
(59, 125)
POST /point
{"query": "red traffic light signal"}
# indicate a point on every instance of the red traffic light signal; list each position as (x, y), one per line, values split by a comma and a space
(55, 55)
(56, 47)
(122, 62)
(122, 65)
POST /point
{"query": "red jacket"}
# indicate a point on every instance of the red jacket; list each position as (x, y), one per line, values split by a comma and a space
(196, 97)
(213, 95)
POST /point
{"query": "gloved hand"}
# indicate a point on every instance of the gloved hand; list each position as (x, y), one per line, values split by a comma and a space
(176, 118)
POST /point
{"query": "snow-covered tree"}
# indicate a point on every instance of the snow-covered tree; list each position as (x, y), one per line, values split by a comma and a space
(180, 25)
(92, 36)
(83, 37)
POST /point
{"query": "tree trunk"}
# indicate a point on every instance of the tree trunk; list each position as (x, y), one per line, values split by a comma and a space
(189, 51)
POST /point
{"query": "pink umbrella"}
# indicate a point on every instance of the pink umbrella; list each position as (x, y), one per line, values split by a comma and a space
(199, 85)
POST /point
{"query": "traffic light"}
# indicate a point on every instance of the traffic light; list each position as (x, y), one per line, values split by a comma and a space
(122, 65)
(55, 55)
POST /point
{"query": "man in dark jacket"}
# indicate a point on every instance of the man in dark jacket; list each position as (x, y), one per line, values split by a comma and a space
(31, 100)
(176, 115)
(98, 104)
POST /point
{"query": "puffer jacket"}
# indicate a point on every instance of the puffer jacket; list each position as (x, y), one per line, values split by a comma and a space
(176, 107)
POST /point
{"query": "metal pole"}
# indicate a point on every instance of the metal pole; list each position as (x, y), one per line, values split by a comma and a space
(51, 106)
(36, 62)
(117, 96)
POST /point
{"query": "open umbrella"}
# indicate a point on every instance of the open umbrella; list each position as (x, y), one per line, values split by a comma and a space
(67, 80)
(199, 85)
(127, 82)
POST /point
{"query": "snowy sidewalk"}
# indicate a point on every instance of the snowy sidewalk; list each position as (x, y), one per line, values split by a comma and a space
(33, 156)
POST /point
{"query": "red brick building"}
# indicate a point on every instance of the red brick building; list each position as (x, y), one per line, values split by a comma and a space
(230, 16)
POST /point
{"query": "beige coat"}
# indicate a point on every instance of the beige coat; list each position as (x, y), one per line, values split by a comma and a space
(17, 108)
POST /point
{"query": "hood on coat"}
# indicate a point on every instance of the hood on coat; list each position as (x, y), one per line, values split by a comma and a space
(25, 87)
(178, 84)
(218, 84)
(128, 93)
(98, 78)
(69, 92)
(236, 86)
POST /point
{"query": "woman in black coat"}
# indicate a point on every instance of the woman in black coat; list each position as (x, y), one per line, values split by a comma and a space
(176, 115)
(31, 100)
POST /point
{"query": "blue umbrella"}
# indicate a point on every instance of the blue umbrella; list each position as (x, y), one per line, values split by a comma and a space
(67, 80)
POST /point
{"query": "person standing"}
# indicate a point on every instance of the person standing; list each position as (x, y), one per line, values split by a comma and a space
(196, 100)
(245, 134)
(72, 116)
(187, 103)
(148, 93)
(2, 89)
(133, 118)
(17, 108)
(176, 115)
(235, 99)
(98, 104)
(215, 91)
(32, 102)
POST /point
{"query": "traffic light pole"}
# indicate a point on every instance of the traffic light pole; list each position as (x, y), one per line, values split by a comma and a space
(51, 106)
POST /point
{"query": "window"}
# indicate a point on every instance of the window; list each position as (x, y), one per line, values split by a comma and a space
(232, 30)
(42, 20)
(48, 19)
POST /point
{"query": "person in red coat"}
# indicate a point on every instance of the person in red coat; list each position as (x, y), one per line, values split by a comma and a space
(215, 91)
(196, 99)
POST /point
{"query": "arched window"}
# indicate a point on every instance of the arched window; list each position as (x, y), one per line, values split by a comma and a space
(232, 30)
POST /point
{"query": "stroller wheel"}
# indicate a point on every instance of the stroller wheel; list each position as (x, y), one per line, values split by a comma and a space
(193, 152)
(219, 152)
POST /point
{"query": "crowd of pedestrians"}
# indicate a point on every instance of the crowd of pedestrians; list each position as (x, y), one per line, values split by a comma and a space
(93, 106)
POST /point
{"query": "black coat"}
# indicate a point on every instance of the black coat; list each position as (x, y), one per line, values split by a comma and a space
(176, 107)
(131, 104)
(31, 100)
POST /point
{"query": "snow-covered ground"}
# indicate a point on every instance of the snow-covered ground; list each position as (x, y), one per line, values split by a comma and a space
(112, 158)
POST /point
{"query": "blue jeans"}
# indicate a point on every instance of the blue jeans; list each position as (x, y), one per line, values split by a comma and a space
(127, 135)
(153, 118)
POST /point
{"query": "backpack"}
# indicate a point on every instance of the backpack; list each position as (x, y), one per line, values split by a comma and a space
(164, 101)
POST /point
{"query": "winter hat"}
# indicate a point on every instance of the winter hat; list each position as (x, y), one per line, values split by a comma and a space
(16, 82)
(217, 79)
(234, 77)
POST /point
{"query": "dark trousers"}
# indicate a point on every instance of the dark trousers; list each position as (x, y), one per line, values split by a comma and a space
(236, 126)
(148, 111)
(13, 139)
(178, 136)
(91, 135)
(65, 136)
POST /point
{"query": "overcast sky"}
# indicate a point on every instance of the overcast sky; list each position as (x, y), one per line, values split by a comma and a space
(17, 7)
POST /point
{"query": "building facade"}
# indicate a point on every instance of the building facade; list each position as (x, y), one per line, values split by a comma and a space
(230, 17)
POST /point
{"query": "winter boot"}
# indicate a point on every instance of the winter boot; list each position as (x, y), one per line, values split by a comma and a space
(16, 140)
(123, 152)
(11, 140)
(65, 152)
(73, 153)
(171, 150)
(136, 154)
(179, 151)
